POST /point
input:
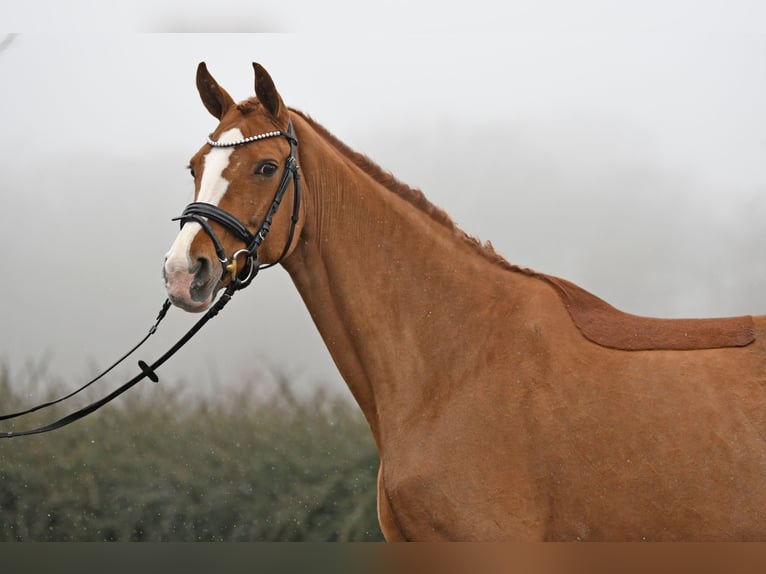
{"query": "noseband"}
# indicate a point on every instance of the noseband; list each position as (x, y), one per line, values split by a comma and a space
(203, 213)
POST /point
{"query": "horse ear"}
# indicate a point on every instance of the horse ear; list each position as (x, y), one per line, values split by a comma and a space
(267, 94)
(216, 99)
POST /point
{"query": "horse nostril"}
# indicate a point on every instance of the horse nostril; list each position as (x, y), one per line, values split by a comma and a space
(199, 264)
(201, 269)
(200, 285)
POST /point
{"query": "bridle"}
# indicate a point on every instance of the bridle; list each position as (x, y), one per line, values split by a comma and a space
(201, 213)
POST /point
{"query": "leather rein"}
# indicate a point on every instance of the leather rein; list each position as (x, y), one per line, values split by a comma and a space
(239, 278)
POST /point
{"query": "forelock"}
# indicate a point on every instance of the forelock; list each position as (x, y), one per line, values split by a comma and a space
(248, 106)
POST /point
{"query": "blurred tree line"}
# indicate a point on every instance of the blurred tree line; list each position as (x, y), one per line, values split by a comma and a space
(157, 467)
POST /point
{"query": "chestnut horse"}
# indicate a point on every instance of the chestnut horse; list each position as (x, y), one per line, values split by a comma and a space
(505, 404)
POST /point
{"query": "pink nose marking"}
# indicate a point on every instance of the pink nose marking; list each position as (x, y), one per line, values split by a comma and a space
(178, 280)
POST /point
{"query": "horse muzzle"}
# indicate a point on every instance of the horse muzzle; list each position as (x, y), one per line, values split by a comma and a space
(192, 288)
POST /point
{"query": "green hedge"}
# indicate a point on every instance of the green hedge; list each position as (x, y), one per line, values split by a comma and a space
(161, 468)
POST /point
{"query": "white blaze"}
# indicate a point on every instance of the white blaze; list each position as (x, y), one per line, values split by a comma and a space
(211, 189)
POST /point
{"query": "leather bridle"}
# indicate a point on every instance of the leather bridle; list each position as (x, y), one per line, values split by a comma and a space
(201, 213)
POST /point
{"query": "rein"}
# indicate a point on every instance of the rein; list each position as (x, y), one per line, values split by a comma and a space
(200, 213)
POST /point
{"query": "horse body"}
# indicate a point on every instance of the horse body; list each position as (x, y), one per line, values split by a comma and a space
(494, 416)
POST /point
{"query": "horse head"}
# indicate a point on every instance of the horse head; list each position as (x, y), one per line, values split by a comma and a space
(240, 176)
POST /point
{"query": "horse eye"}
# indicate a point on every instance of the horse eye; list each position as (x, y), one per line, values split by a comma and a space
(266, 169)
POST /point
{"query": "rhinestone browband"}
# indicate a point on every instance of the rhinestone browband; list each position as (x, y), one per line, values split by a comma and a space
(244, 141)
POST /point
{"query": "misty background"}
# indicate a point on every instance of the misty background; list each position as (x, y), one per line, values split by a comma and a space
(620, 147)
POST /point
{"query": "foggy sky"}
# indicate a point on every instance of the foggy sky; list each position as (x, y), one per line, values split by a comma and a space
(621, 150)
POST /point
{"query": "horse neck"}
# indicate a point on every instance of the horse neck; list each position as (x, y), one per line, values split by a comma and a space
(387, 283)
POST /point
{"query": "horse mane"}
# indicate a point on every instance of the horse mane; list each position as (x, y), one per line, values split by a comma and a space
(596, 319)
(412, 195)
